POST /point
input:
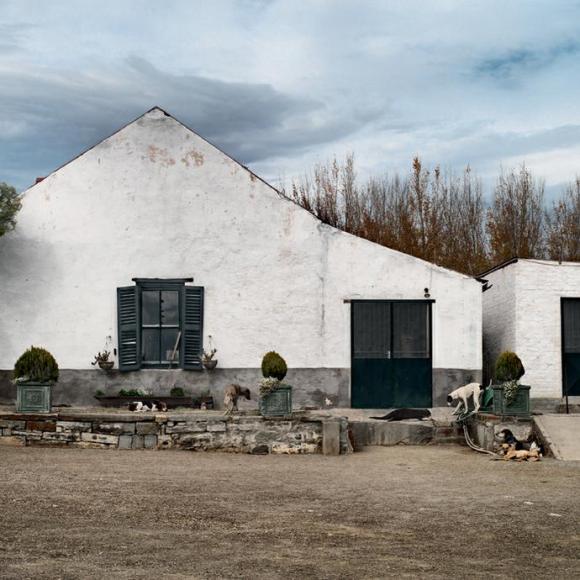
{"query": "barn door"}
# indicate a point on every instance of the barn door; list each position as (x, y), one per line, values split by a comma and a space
(571, 346)
(391, 354)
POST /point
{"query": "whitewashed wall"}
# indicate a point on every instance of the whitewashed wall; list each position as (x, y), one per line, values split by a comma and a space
(521, 312)
(156, 200)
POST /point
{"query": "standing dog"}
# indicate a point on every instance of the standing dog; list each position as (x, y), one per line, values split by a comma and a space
(473, 390)
(231, 395)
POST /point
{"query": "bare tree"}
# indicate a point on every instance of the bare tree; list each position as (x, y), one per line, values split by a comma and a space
(515, 221)
(563, 225)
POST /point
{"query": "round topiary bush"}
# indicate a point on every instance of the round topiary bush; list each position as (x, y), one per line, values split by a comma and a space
(509, 367)
(273, 365)
(36, 365)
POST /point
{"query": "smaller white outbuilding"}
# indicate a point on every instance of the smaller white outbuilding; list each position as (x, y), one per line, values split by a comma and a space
(532, 307)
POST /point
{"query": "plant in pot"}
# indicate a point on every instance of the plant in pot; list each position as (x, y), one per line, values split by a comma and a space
(208, 361)
(35, 373)
(275, 396)
(509, 397)
(102, 359)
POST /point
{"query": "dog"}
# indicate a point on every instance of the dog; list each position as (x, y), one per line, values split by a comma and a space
(403, 414)
(520, 454)
(508, 438)
(231, 395)
(145, 406)
(473, 390)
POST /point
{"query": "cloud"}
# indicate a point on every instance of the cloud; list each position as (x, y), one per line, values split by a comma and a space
(525, 61)
(50, 116)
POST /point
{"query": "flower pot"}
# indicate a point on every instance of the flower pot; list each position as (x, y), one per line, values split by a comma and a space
(210, 364)
(520, 406)
(34, 397)
(106, 365)
(277, 403)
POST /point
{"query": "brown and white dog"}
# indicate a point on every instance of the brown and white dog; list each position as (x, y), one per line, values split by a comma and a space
(231, 395)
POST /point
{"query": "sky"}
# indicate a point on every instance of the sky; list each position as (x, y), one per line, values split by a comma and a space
(283, 84)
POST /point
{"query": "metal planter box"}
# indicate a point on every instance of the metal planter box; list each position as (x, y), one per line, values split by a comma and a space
(520, 406)
(34, 397)
(277, 403)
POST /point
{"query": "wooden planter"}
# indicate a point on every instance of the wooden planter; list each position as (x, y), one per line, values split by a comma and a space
(171, 402)
(520, 406)
(277, 403)
(34, 397)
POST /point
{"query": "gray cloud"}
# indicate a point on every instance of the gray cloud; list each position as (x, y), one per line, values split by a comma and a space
(522, 61)
(50, 117)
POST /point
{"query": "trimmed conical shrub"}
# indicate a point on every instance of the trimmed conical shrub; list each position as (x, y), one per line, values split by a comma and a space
(509, 367)
(37, 365)
(273, 365)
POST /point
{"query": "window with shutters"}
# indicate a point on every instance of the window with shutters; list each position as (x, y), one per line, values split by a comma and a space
(160, 324)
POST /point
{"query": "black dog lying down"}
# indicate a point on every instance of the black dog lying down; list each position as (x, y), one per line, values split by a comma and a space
(403, 414)
(506, 436)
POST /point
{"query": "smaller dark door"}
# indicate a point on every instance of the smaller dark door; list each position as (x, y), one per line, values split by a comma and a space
(571, 346)
(391, 354)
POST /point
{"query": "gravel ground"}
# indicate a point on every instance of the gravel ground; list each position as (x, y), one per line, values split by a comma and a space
(428, 512)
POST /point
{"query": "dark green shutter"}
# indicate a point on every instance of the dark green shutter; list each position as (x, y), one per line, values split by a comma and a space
(128, 328)
(192, 339)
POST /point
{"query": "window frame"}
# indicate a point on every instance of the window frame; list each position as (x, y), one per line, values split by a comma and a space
(161, 284)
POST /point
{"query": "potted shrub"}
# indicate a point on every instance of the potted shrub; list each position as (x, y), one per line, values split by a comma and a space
(275, 396)
(102, 359)
(35, 373)
(208, 361)
(509, 397)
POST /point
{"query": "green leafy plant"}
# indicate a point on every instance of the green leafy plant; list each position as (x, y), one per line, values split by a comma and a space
(207, 356)
(99, 393)
(267, 385)
(9, 206)
(36, 364)
(177, 392)
(101, 357)
(273, 365)
(131, 393)
(509, 369)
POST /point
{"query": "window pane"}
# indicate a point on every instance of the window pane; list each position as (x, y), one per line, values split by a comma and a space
(150, 345)
(169, 307)
(150, 306)
(371, 329)
(168, 340)
(410, 330)
(571, 312)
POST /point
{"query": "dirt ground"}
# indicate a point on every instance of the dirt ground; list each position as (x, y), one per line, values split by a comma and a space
(427, 512)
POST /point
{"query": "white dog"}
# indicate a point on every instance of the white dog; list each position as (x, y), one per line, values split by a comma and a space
(462, 394)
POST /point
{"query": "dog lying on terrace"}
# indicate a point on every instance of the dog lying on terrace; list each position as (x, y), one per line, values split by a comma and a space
(231, 395)
(403, 414)
(144, 406)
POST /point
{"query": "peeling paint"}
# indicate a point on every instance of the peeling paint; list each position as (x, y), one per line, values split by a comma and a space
(193, 156)
(157, 154)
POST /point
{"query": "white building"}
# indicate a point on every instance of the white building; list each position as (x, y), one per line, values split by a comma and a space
(532, 307)
(191, 244)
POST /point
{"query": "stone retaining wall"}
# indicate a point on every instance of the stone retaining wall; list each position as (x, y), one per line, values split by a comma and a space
(195, 431)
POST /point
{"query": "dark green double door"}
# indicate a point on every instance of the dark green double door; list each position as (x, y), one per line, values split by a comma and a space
(391, 354)
(571, 346)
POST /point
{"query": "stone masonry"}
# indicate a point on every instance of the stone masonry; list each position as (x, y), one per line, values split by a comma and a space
(194, 431)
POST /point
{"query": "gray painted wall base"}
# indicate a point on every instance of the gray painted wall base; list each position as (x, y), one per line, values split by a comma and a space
(312, 387)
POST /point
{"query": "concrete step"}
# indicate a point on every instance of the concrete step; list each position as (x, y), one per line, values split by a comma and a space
(412, 432)
(561, 433)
